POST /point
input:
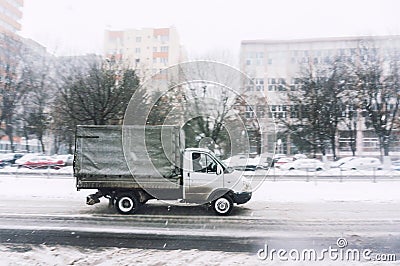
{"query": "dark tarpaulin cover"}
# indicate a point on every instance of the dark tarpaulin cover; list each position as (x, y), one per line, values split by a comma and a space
(151, 155)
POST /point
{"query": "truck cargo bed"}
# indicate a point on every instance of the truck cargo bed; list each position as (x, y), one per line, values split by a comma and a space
(100, 160)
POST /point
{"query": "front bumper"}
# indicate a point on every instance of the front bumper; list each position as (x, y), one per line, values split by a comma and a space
(241, 197)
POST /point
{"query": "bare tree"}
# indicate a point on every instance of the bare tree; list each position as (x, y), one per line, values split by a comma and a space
(379, 86)
(309, 122)
(98, 96)
(202, 109)
(318, 106)
(195, 95)
(37, 102)
(15, 82)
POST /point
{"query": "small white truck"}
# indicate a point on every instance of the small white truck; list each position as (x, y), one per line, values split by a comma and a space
(153, 164)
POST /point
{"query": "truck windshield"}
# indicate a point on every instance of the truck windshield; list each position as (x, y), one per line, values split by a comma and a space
(226, 168)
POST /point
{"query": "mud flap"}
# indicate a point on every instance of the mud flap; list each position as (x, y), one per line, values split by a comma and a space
(94, 198)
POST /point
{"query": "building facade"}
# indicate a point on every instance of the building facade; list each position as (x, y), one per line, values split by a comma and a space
(147, 50)
(10, 41)
(275, 68)
(10, 51)
(10, 16)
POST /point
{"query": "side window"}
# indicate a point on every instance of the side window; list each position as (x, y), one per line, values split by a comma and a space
(199, 162)
(211, 165)
(203, 163)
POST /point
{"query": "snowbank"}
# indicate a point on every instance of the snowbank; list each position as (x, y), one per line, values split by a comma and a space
(317, 191)
(11, 170)
(57, 255)
(333, 172)
(26, 187)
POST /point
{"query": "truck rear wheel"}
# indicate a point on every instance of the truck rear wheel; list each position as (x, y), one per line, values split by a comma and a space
(223, 205)
(127, 203)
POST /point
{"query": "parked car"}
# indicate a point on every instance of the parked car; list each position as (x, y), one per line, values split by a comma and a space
(19, 162)
(9, 158)
(67, 158)
(396, 165)
(304, 164)
(242, 162)
(283, 160)
(299, 156)
(362, 164)
(43, 161)
(276, 157)
(264, 163)
(341, 161)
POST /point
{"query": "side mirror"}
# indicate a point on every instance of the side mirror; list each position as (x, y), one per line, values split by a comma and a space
(219, 169)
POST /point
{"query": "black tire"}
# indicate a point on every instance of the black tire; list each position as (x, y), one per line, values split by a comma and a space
(223, 206)
(291, 168)
(319, 169)
(127, 203)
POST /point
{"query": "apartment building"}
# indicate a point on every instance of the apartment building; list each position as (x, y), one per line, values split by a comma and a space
(275, 65)
(10, 16)
(147, 50)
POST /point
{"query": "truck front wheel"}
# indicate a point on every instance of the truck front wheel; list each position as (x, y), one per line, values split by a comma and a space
(223, 205)
(127, 203)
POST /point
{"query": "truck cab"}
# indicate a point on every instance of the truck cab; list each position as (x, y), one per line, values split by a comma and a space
(208, 180)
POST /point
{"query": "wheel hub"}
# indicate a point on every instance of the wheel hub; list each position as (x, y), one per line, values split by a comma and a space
(222, 205)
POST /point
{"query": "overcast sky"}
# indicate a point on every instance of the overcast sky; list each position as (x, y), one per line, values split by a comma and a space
(205, 26)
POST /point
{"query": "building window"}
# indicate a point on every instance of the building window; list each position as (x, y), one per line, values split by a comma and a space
(294, 111)
(155, 49)
(164, 60)
(259, 83)
(164, 38)
(259, 55)
(138, 39)
(137, 50)
(277, 84)
(249, 111)
(281, 87)
(278, 111)
(164, 48)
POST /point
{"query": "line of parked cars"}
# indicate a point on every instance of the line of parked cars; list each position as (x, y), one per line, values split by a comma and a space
(344, 164)
(301, 162)
(243, 162)
(35, 160)
(356, 163)
(304, 164)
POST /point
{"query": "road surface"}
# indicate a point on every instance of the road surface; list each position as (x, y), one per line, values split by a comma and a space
(65, 220)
